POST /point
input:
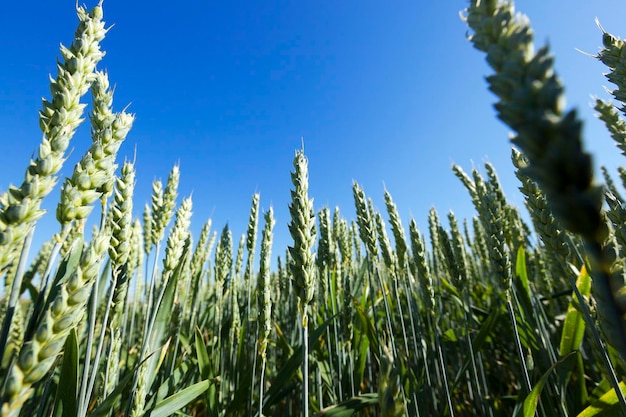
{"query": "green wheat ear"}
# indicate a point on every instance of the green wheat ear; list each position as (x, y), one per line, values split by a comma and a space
(302, 230)
(20, 207)
(365, 221)
(93, 176)
(613, 55)
(264, 285)
(531, 103)
(301, 263)
(63, 312)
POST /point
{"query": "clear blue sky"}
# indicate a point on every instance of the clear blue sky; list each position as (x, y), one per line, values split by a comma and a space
(387, 93)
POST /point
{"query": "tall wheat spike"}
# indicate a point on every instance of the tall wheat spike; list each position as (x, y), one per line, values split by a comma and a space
(302, 230)
(531, 103)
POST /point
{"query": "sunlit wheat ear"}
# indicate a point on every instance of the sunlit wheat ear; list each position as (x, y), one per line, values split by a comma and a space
(253, 221)
(302, 230)
(199, 256)
(480, 239)
(355, 242)
(365, 221)
(120, 246)
(64, 311)
(454, 249)
(336, 233)
(109, 136)
(385, 245)
(397, 229)
(156, 201)
(147, 229)
(239, 257)
(177, 238)
(617, 128)
(223, 259)
(93, 175)
(58, 119)
(163, 207)
(448, 257)
(492, 207)
(617, 216)
(136, 258)
(613, 121)
(344, 248)
(492, 219)
(334, 255)
(301, 264)
(531, 103)
(235, 287)
(79, 192)
(264, 303)
(458, 246)
(609, 184)
(546, 226)
(420, 265)
(264, 284)
(344, 243)
(325, 247)
(613, 55)
(123, 255)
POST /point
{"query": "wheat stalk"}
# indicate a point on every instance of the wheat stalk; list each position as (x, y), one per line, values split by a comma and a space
(302, 230)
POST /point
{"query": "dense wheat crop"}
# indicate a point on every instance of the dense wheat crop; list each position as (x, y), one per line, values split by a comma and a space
(486, 316)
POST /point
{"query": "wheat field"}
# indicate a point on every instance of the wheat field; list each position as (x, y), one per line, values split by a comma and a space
(485, 316)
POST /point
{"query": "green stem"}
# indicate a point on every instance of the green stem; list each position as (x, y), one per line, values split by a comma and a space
(305, 363)
(518, 344)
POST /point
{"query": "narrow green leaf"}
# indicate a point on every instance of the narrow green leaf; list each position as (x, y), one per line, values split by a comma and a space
(521, 275)
(204, 363)
(180, 377)
(361, 360)
(164, 312)
(531, 401)
(445, 285)
(161, 324)
(527, 321)
(68, 380)
(574, 325)
(350, 406)
(606, 405)
(175, 402)
(450, 336)
(571, 339)
(369, 329)
(104, 408)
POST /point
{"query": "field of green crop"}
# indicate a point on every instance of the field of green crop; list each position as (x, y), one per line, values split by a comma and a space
(488, 316)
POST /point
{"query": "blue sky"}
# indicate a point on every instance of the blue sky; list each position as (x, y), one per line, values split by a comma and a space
(389, 94)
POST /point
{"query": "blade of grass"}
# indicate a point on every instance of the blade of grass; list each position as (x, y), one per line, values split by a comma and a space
(173, 403)
(531, 401)
(350, 406)
(68, 379)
